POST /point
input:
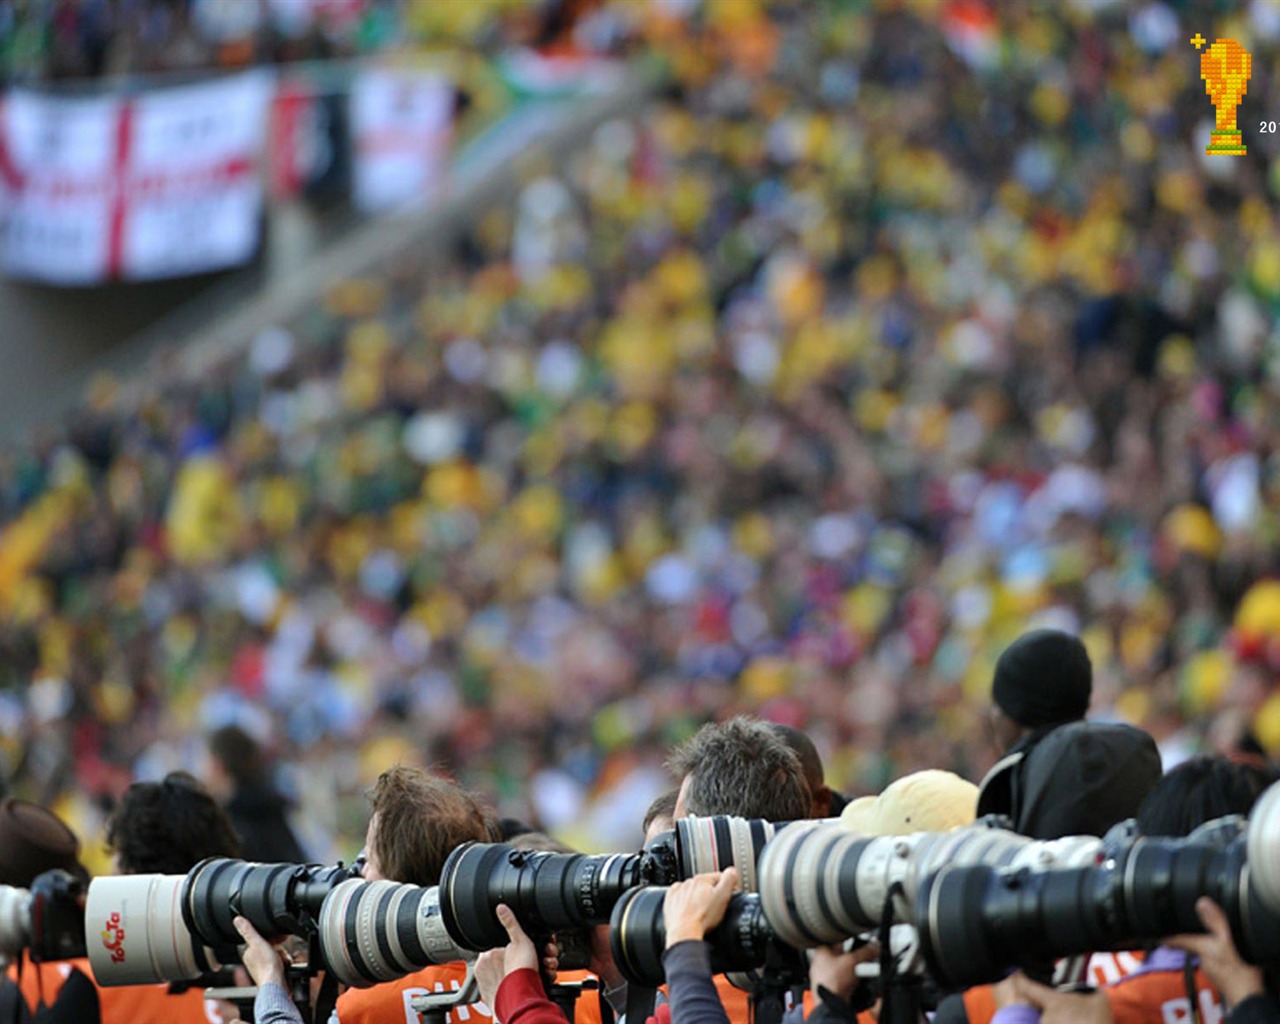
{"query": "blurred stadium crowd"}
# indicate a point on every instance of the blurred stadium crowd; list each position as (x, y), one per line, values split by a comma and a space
(43, 40)
(886, 332)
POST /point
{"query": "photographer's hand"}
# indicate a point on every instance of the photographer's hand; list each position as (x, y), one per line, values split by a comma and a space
(1055, 1007)
(262, 960)
(490, 969)
(1234, 978)
(693, 907)
(495, 965)
(830, 967)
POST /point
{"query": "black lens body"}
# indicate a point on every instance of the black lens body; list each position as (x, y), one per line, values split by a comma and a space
(548, 892)
(57, 917)
(277, 899)
(975, 922)
(558, 893)
(741, 942)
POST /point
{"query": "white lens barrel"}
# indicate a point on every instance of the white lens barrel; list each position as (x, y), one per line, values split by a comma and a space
(15, 920)
(360, 936)
(136, 933)
(1263, 848)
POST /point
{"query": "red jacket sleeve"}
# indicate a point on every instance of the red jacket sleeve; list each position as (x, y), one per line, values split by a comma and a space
(521, 1000)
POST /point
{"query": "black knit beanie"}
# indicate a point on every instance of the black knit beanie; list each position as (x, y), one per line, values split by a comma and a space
(1043, 678)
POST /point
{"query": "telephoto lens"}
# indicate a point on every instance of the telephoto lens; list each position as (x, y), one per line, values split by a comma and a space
(822, 883)
(741, 942)
(140, 933)
(558, 892)
(153, 928)
(372, 932)
(1264, 848)
(719, 842)
(548, 892)
(976, 922)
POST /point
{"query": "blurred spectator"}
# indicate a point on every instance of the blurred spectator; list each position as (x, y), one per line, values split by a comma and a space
(255, 808)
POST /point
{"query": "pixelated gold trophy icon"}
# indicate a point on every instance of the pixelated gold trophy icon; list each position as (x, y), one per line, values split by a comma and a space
(1226, 68)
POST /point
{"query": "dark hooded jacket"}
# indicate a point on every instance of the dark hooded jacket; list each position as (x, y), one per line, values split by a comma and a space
(1075, 779)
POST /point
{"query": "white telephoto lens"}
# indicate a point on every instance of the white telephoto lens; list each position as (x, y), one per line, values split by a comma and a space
(135, 932)
(1263, 848)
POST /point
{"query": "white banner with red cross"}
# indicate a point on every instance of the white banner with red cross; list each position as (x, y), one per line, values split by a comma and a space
(154, 185)
(403, 127)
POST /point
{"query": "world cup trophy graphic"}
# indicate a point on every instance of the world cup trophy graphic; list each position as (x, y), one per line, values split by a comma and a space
(1226, 68)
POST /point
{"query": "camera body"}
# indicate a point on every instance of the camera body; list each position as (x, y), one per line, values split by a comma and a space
(46, 921)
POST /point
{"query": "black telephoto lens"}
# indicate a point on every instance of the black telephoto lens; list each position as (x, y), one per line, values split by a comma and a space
(638, 936)
(548, 892)
(975, 922)
(277, 899)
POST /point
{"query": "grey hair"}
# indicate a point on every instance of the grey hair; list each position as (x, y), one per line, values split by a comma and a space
(742, 767)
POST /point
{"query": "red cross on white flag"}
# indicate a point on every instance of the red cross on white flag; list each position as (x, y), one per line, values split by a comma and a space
(154, 185)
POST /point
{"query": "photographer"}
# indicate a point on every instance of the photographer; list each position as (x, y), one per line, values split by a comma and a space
(34, 840)
(509, 980)
(690, 909)
(660, 817)
(1059, 774)
(601, 969)
(166, 827)
(1078, 778)
(740, 767)
(418, 819)
(827, 803)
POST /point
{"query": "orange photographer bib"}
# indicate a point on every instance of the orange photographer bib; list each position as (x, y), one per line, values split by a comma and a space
(152, 1004)
(41, 983)
(392, 1001)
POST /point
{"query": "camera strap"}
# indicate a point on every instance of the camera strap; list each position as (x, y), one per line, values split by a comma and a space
(771, 987)
(1189, 980)
(900, 994)
(326, 998)
(640, 1003)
